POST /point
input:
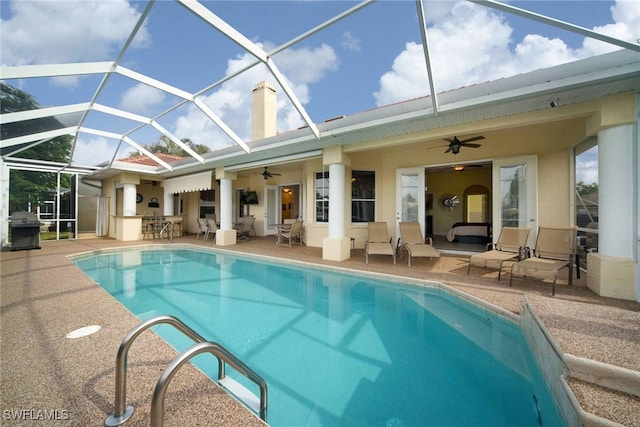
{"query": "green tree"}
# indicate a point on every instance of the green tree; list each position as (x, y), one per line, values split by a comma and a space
(583, 188)
(30, 188)
(166, 146)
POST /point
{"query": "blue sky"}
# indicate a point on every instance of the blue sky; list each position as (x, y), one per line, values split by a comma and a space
(371, 58)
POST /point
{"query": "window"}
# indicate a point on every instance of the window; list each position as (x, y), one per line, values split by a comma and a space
(207, 203)
(514, 199)
(363, 196)
(322, 196)
(586, 193)
(178, 204)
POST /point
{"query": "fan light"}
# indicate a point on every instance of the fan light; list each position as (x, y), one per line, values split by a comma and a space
(458, 168)
(455, 147)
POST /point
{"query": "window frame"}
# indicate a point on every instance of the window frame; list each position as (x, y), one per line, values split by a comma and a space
(321, 199)
(206, 203)
(364, 201)
(585, 211)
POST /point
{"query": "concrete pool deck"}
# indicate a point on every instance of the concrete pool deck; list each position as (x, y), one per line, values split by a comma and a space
(44, 374)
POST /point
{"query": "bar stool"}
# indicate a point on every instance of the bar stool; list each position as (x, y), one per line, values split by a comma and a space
(158, 223)
(177, 228)
(147, 229)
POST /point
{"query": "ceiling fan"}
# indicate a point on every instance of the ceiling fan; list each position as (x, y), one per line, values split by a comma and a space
(266, 174)
(455, 143)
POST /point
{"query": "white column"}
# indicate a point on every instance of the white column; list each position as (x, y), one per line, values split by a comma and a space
(226, 204)
(335, 247)
(129, 199)
(616, 192)
(336, 200)
(4, 203)
(613, 270)
(226, 235)
(167, 203)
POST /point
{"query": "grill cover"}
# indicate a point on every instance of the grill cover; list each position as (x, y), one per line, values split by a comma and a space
(25, 231)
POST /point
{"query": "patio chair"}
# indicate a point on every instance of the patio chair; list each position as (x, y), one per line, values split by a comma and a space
(203, 229)
(378, 241)
(511, 244)
(292, 235)
(251, 219)
(245, 228)
(212, 228)
(411, 240)
(555, 249)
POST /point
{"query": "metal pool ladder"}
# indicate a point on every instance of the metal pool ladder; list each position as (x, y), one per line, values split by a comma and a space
(168, 227)
(122, 412)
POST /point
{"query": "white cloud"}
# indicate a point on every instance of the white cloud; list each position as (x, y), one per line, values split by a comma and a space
(350, 42)
(463, 47)
(626, 26)
(93, 150)
(306, 65)
(472, 44)
(547, 52)
(407, 79)
(141, 98)
(232, 100)
(40, 32)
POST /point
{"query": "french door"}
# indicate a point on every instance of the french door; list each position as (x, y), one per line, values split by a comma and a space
(271, 205)
(410, 197)
(515, 194)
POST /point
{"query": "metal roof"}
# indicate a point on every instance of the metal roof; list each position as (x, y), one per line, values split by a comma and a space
(574, 82)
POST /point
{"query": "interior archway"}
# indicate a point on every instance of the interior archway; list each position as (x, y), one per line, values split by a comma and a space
(476, 203)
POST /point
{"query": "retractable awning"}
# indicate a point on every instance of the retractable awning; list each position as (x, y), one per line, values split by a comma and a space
(185, 184)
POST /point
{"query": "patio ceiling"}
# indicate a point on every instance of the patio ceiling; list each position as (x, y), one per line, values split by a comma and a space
(582, 81)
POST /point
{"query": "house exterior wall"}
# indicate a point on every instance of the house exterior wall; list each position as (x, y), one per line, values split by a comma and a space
(549, 134)
(554, 189)
(551, 141)
(191, 211)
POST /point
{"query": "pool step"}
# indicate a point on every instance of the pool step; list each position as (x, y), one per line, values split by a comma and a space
(242, 393)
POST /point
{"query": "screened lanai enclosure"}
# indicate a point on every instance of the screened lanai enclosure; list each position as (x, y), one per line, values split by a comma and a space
(170, 82)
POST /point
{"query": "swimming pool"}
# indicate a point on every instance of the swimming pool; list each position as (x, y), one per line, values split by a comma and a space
(338, 349)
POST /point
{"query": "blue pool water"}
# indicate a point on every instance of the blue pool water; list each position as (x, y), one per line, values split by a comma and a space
(338, 349)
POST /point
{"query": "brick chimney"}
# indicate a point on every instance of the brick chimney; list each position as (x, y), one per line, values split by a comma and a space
(263, 120)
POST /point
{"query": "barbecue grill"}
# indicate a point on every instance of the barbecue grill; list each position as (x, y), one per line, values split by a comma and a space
(25, 231)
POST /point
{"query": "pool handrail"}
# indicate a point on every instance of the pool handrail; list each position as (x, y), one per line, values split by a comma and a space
(157, 402)
(122, 412)
(168, 226)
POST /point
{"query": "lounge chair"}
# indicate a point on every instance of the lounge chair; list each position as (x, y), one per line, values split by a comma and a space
(291, 235)
(378, 241)
(412, 241)
(511, 244)
(555, 249)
